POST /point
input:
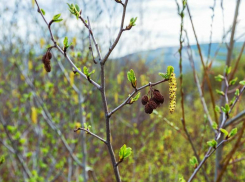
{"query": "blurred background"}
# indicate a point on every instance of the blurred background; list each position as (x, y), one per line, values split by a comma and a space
(40, 110)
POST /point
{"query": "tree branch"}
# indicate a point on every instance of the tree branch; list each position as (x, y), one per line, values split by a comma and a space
(89, 132)
(132, 94)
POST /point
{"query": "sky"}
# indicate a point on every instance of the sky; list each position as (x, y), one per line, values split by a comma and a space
(158, 24)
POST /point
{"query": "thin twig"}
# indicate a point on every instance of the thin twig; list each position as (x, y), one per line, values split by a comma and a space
(204, 67)
(119, 34)
(89, 132)
(225, 117)
(229, 156)
(62, 52)
(198, 84)
(90, 45)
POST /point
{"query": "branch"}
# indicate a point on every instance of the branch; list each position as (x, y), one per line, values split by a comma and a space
(89, 132)
(208, 154)
(132, 94)
(234, 119)
(119, 34)
(225, 117)
(229, 156)
(204, 67)
(90, 45)
(64, 53)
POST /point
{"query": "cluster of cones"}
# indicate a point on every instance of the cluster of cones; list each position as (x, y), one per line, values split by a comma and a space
(152, 103)
(46, 61)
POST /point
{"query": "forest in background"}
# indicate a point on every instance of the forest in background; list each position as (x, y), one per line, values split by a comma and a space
(40, 110)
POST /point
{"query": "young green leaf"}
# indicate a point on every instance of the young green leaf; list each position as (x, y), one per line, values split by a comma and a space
(237, 92)
(242, 82)
(233, 81)
(220, 92)
(212, 143)
(215, 126)
(227, 70)
(2, 160)
(170, 69)
(225, 132)
(56, 17)
(85, 70)
(217, 108)
(233, 132)
(135, 98)
(219, 78)
(131, 77)
(43, 12)
(132, 21)
(193, 161)
(124, 152)
(164, 75)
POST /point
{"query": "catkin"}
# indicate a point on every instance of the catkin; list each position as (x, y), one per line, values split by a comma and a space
(172, 92)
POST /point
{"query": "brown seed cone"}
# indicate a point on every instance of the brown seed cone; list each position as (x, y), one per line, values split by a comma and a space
(47, 67)
(157, 96)
(49, 54)
(156, 101)
(152, 104)
(144, 100)
(43, 58)
(148, 109)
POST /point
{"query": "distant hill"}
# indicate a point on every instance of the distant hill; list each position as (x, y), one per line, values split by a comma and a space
(165, 56)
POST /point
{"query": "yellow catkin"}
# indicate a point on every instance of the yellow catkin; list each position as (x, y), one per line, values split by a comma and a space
(71, 78)
(78, 125)
(42, 42)
(34, 115)
(116, 97)
(172, 92)
(30, 66)
(119, 81)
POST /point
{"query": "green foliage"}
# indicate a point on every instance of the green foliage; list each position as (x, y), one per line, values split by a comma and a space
(124, 152)
(86, 72)
(219, 78)
(132, 21)
(181, 179)
(135, 98)
(131, 77)
(220, 92)
(227, 70)
(225, 132)
(212, 143)
(87, 127)
(194, 162)
(2, 160)
(74, 9)
(232, 132)
(233, 81)
(56, 18)
(226, 109)
(237, 92)
(215, 126)
(170, 69)
(66, 44)
(43, 12)
(242, 82)
(217, 108)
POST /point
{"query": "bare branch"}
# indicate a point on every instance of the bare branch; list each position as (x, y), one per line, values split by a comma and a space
(89, 132)
(62, 52)
(119, 34)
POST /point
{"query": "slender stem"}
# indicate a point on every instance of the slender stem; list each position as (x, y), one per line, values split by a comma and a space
(225, 117)
(90, 45)
(62, 52)
(108, 130)
(208, 154)
(204, 67)
(119, 34)
(89, 132)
